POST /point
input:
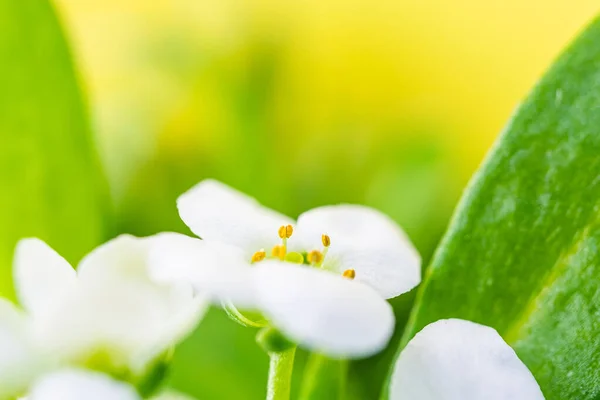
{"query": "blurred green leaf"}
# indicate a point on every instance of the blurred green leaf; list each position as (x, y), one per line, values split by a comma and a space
(49, 174)
(324, 378)
(522, 253)
(221, 360)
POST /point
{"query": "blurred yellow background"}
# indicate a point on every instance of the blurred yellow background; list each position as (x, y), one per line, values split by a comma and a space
(387, 103)
(285, 98)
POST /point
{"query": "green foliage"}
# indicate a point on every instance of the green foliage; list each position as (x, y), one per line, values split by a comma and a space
(49, 176)
(221, 360)
(522, 252)
(324, 378)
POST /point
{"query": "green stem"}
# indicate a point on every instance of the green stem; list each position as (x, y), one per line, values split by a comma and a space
(280, 374)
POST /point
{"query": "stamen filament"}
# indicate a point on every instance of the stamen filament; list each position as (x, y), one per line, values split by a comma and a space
(285, 232)
(324, 252)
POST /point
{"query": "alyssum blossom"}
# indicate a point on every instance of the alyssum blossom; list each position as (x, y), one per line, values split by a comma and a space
(108, 316)
(19, 360)
(321, 281)
(461, 360)
(79, 384)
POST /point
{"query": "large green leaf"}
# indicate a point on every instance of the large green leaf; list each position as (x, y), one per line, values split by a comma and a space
(49, 176)
(522, 253)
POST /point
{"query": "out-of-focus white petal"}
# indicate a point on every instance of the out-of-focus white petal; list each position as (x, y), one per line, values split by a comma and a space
(365, 240)
(322, 311)
(117, 309)
(124, 256)
(115, 321)
(186, 312)
(76, 384)
(19, 362)
(216, 270)
(215, 211)
(123, 322)
(11, 316)
(41, 275)
(461, 360)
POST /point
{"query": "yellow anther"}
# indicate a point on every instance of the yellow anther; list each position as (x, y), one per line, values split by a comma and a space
(349, 273)
(285, 231)
(326, 240)
(278, 251)
(314, 257)
(259, 256)
(282, 232)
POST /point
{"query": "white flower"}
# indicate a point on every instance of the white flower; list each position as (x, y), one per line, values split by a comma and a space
(313, 304)
(19, 360)
(81, 384)
(75, 384)
(460, 360)
(109, 315)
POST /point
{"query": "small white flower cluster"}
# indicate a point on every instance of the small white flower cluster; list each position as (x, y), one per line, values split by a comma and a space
(108, 317)
(106, 331)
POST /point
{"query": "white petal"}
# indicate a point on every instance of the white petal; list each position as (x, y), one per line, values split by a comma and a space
(461, 360)
(185, 314)
(79, 385)
(41, 274)
(214, 269)
(322, 311)
(214, 211)
(119, 319)
(124, 256)
(117, 309)
(365, 240)
(11, 316)
(136, 323)
(19, 363)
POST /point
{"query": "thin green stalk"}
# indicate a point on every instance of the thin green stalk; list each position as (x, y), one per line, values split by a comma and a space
(280, 374)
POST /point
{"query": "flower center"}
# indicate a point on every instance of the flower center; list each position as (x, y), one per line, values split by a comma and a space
(314, 258)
